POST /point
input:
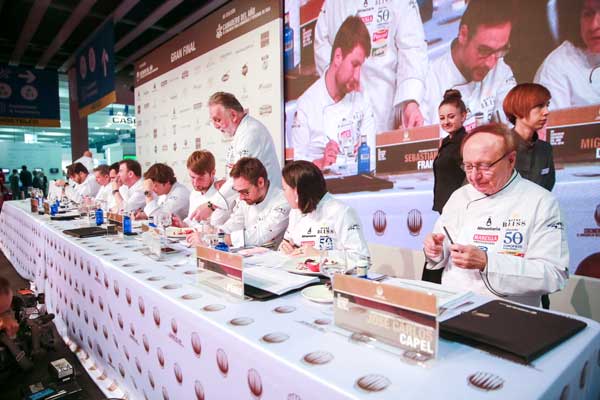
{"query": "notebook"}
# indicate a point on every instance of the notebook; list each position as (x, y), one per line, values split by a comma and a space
(510, 330)
(87, 232)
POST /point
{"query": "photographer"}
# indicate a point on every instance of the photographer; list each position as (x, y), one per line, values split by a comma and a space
(8, 323)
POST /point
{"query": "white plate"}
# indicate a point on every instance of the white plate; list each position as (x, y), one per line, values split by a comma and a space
(292, 266)
(318, 294)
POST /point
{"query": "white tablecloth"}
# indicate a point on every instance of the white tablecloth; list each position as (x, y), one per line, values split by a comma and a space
(147, 329)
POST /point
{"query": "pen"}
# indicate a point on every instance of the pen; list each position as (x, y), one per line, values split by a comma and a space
(448, 235)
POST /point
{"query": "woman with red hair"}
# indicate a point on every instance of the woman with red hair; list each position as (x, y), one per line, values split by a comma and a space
(526, 107)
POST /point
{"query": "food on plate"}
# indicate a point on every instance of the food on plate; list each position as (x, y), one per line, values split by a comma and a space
(174, 231)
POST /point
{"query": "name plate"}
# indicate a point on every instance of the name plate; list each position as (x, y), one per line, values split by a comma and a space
(115, 219)
(396, 316)
(407, 150)
(221, 270)
(34, 205)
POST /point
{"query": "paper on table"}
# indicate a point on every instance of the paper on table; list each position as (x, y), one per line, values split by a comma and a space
(446, 298)
(275, 280)
(270, 259)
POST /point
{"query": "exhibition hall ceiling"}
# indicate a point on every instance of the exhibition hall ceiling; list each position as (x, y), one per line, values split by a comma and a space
(45, 34)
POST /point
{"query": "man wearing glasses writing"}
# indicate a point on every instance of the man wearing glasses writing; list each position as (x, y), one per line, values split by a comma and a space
(503, 235)
(474, 63)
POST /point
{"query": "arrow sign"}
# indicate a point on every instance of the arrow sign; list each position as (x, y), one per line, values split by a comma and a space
(28, 76)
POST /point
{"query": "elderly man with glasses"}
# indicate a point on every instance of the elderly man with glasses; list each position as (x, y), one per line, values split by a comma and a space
(500, 234)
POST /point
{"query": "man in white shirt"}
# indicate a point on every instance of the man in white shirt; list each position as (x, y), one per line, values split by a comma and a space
(84, 184)
(572, 71)
(393, 76)
(499, 235)
(128, 189)
(164, 195)
(250, 139)
(261, 215)
(201, 169)
(333, 114)
(474, 64)
(102, 175)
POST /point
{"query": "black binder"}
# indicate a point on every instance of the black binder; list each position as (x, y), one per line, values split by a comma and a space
(510, 330)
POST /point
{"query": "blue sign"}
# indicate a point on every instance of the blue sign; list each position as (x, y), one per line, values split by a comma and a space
(95, 63)
(28, 97)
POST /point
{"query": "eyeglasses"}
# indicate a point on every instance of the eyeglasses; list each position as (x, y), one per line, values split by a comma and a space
(486, 52)
(483, 167)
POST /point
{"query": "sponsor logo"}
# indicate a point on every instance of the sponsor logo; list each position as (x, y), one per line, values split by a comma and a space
(264, 39)
(485, 238)
(265, 109)
(380, 35)
(367, 19)
(556, 225)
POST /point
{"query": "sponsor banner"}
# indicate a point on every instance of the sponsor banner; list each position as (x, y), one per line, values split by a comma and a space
(28, 97)
(400, 317)
(220, 27)
(95, 64)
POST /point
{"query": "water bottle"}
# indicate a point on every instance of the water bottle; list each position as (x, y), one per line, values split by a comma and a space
(288, 44)
(364, 156)
(53, 209)
(222, 245)
(151, 221)
(99, 216)
(126, 224)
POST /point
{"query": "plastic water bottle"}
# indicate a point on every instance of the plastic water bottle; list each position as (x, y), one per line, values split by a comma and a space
(126, 224)
(151, 221)
(99, 216)
(288, 44)
(364, 156)
(221, 245)
(53, 209)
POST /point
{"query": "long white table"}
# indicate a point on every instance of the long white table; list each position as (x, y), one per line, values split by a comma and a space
(147, 329)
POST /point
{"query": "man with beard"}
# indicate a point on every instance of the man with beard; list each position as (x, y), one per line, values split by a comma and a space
(474, 64)
(333, 114)
(201, 169)
(261, 215)
(249, 138)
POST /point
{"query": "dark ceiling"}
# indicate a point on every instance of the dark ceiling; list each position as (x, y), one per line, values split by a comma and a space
(46, 33)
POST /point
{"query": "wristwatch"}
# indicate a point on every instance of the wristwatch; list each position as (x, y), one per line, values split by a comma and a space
(147, 193)
(115, 191)
(211, 206)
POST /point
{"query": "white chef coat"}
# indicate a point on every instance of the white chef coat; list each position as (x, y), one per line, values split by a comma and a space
(332, 226)
(485, 96)
(523, 233)
(221, 213)
(177, 202)
(251, 139)
(259, 224)
(133, 197)
(319, 119)
(105, 195)
(89, 187)
(88, 162)
(395, 70)
(566, 73)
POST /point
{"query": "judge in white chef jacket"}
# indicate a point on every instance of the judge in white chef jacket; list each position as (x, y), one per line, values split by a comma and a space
(128, 189)
(319, 225)
(201, 169)
(572, 71)
(333, 113)
(505, 236)
(83, 184)
(261, 215)
(164, 195)
(474, 63)
(249, 138)
(394, 73)
(102, 176)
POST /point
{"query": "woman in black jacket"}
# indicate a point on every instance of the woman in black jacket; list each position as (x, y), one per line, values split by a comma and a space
(526, 107)
(446, 167)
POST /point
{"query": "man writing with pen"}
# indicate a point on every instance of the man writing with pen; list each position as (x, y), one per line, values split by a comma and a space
(261, 215)
(500, 234)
